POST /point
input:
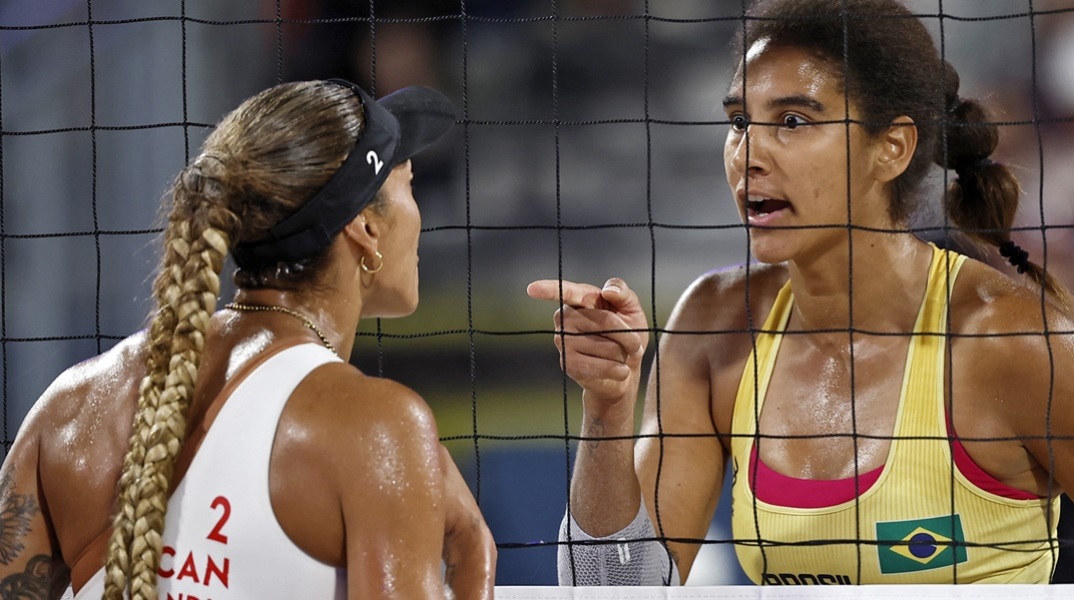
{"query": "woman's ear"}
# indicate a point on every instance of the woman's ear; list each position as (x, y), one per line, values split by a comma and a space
(363, 232)
(897, 146)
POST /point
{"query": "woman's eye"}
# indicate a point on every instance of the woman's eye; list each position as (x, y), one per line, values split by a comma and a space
(793, 121)
(739, 122)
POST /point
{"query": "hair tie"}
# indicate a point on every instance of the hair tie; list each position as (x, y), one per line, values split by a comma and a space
(952, 106)
(1015, 255)
(970, 170)
(210, 162)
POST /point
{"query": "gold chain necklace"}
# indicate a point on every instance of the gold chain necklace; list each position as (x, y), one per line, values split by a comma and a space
(287, 311)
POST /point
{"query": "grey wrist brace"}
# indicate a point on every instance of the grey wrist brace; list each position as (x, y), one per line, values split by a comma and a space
(628, 562)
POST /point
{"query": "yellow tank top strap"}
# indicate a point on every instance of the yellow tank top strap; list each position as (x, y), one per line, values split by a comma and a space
(923, 377)
(942, 273)
(760, 365)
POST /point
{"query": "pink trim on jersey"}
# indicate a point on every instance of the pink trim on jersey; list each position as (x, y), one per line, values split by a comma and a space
(978, 476)
(783, 490)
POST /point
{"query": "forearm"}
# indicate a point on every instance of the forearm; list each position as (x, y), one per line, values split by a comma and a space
(601, 335)
(605, 493)
(470, 561)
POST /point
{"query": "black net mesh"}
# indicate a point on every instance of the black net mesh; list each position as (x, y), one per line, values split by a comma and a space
(589, 145)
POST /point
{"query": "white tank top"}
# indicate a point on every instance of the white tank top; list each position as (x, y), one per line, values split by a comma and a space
(221, 537)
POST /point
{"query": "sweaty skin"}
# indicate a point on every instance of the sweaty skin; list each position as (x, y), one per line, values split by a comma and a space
(789, 142)
(331, 488)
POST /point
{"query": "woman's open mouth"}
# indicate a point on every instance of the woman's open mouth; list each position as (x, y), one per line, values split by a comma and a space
(763, 211)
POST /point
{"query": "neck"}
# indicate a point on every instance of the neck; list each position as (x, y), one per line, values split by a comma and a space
(874, 283)
(336, 319)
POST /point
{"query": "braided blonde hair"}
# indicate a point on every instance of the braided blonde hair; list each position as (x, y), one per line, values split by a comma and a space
(261, 164)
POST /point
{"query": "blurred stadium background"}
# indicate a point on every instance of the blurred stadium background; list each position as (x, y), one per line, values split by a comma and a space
(555, 173)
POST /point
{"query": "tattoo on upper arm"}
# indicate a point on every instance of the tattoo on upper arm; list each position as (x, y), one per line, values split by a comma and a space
(16, 512)
(43, 578)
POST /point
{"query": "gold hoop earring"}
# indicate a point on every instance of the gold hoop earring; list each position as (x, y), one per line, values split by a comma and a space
(365, 268)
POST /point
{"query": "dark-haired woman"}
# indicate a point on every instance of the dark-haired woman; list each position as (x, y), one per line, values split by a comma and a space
(252, 460)
(891, 412)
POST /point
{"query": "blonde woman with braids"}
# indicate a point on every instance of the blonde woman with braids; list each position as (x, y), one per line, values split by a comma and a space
(252, 460)
(890, 412)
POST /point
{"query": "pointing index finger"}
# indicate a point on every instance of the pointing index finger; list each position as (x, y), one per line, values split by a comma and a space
(575, 295)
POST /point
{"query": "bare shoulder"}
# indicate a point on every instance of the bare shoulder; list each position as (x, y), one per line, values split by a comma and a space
(352, 416)
(1013, 340)
(986, 302)
(710, 325)
(345, 392)
(90, 406)
(1011, 379)
(350, 450)
(69, 450)
(93, 385)
(729, 299)
(707, 342)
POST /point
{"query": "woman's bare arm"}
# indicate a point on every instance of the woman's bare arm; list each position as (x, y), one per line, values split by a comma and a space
(679, 458)
(604, 335)
(31, 565)
(469, 550)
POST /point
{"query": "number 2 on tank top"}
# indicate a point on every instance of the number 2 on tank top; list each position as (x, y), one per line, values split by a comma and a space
(216, 534)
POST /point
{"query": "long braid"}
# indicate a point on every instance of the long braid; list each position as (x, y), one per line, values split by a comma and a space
(186, 290)
(201, 288)
(260, 164)
(161, 330)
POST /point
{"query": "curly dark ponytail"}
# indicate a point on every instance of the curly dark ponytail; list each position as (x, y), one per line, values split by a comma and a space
(983, 197)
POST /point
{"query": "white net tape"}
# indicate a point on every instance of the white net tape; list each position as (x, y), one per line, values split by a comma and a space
(738, 592)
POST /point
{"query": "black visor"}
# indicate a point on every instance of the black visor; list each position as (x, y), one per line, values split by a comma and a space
(396, 128)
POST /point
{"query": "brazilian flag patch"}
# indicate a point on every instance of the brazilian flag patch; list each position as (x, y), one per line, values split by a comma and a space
(920, 544)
